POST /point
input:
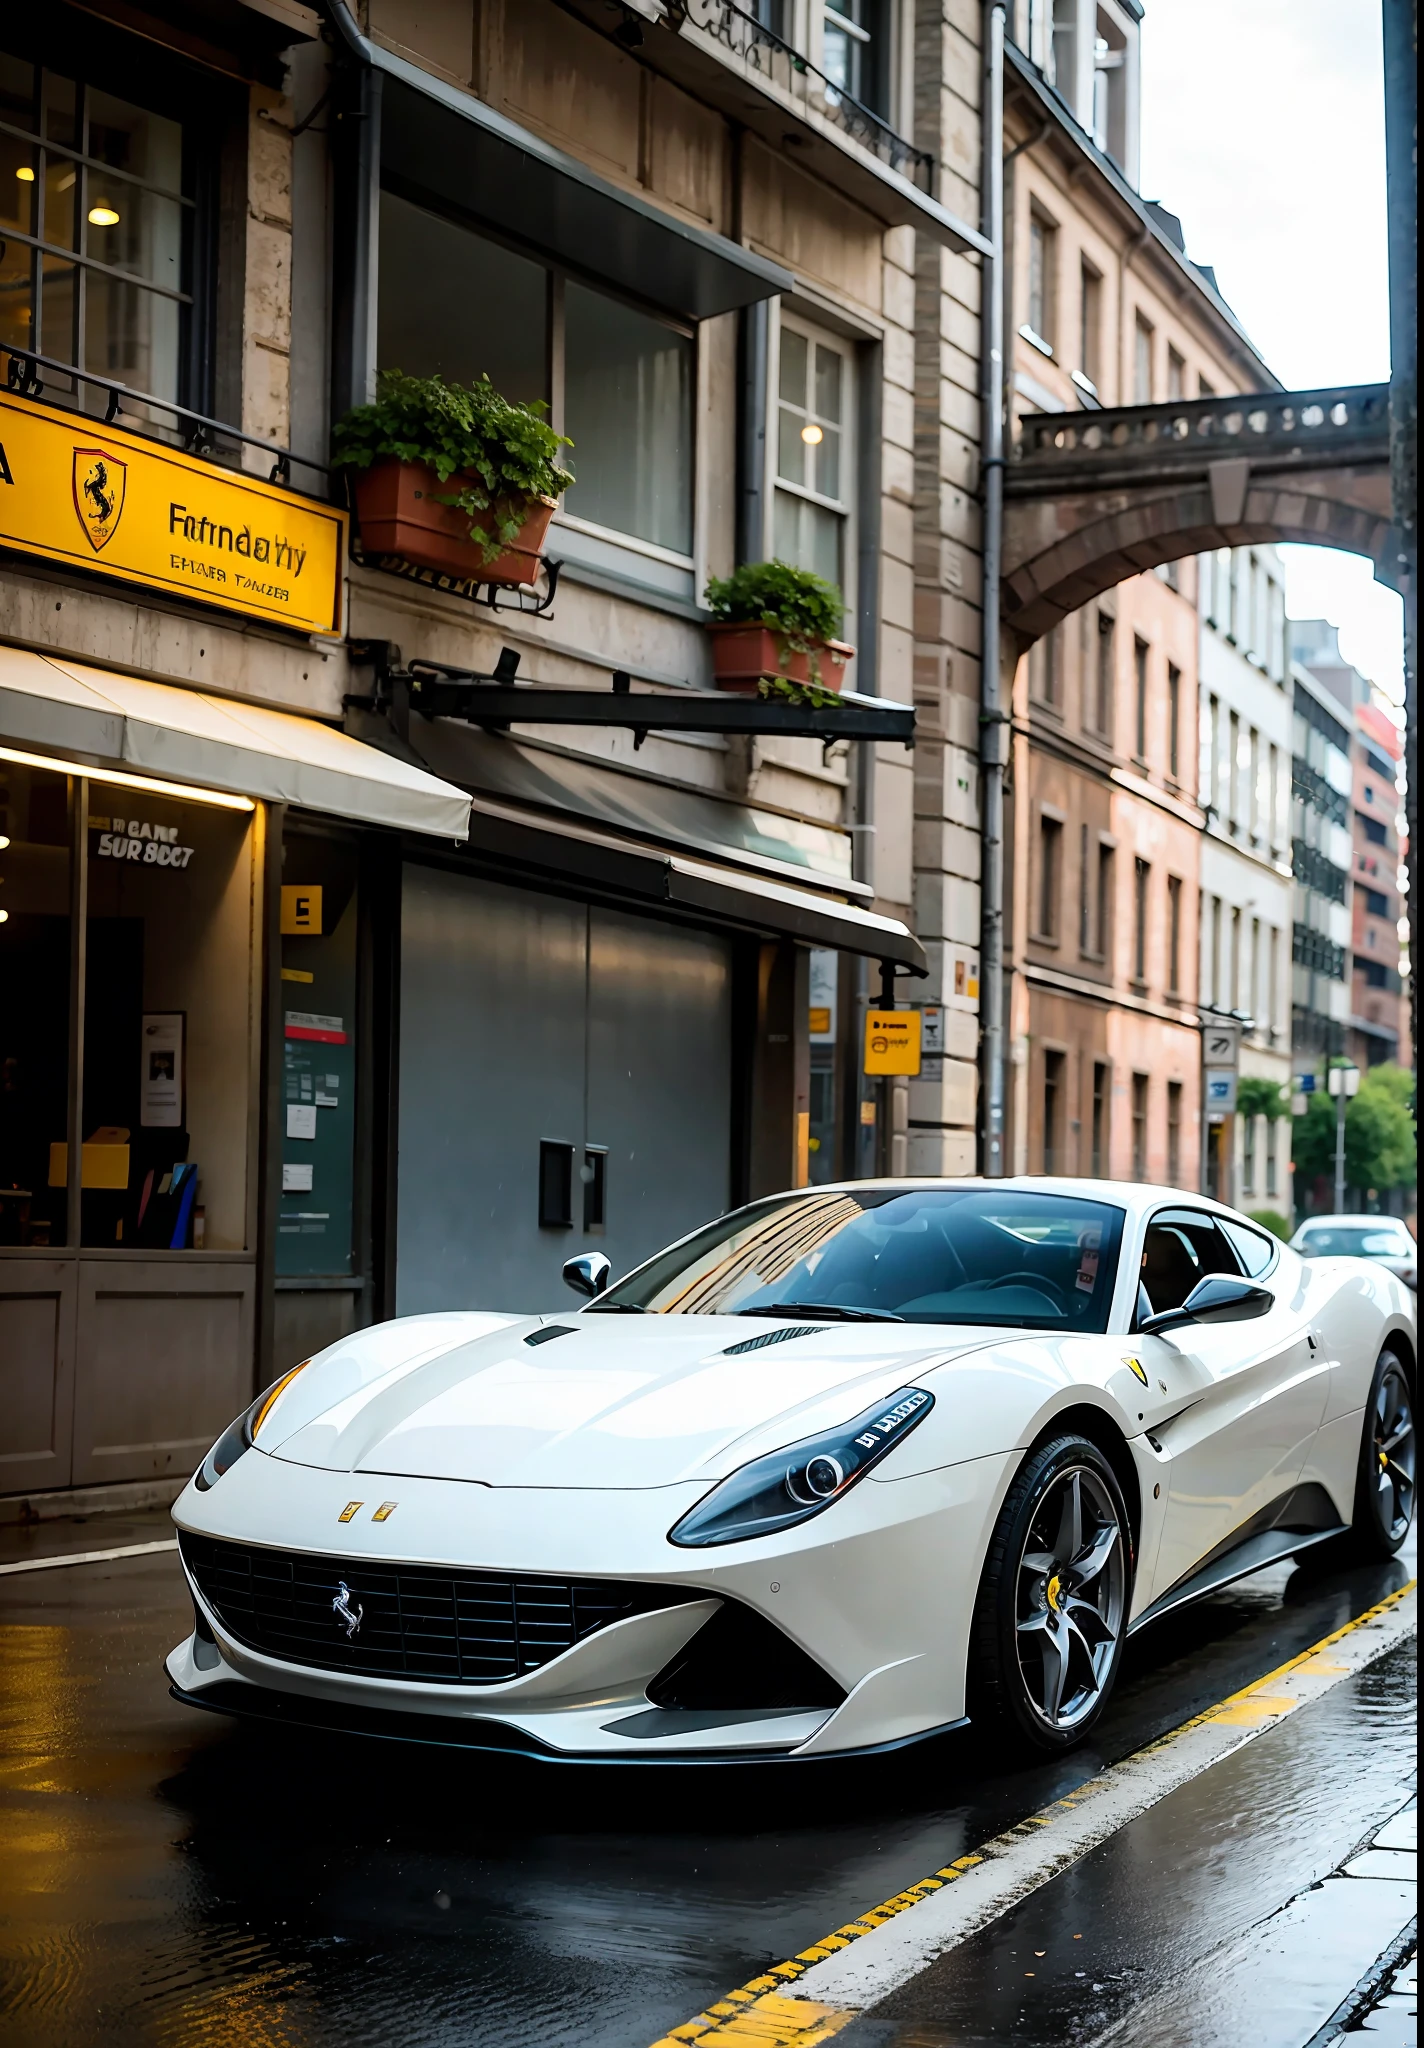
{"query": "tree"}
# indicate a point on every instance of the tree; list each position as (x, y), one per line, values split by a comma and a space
(1379, 1134)
(1255, 1097)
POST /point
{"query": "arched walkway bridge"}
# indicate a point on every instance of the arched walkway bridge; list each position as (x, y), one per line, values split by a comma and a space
(1092, 498)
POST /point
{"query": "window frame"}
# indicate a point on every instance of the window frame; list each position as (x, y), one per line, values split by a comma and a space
(847, 507)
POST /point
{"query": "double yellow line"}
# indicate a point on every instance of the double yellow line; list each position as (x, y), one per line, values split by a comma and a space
(759, 2014)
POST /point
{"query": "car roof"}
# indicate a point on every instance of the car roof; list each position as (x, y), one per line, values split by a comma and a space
(1134, 1196)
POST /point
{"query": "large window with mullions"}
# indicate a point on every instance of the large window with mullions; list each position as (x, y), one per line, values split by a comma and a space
(98, 197)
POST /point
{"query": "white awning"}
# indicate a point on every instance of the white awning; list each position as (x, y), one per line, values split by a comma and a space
(93, 717)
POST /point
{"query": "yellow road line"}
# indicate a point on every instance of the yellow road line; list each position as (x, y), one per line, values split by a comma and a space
(759, 2014)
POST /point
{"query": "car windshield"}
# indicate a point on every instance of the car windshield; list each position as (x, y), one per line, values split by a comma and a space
(975, 1255)
(1356, 1241)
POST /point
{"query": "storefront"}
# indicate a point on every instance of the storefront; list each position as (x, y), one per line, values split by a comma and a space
(138, 912)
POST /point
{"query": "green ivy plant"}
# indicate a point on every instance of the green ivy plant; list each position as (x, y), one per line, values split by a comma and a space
(802, 609)
(810, 694)
(506, 455)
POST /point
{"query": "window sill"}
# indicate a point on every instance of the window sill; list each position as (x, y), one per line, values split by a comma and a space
(1036, 340)
(1139, 988)
(1044, 939)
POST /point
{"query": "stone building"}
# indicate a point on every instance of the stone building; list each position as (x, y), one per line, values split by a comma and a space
(1105, 309)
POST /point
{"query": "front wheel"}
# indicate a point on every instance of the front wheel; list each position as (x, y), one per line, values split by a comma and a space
(1384, 1489)
(1051, 1617)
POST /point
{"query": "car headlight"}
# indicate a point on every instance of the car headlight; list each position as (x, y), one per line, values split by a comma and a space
(240, 1436)
(791, 1485)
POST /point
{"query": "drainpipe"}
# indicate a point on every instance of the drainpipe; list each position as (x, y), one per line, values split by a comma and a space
(993, 720)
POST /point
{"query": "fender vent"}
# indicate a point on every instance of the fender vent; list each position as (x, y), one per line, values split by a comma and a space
(740, 1660)
(769, 1337)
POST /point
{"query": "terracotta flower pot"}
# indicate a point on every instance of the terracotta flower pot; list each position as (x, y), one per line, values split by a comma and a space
(743, 653)
(399, 512)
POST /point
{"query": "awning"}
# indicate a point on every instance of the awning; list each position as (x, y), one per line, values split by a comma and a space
(95, 718)
(454, 147)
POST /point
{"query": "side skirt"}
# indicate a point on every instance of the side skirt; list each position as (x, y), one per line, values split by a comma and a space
(1270, 1547)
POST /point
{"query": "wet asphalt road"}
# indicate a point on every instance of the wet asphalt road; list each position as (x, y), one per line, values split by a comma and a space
(172, 1878)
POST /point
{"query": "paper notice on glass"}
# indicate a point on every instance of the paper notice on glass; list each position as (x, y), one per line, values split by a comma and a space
(161, 1071)
(296, 1180)
(301, 1119)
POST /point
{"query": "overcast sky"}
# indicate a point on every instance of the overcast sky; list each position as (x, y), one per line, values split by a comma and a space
(1263, 128)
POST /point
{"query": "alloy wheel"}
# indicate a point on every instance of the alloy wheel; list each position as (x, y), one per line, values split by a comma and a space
(1392, 1438)
(1071, 1596)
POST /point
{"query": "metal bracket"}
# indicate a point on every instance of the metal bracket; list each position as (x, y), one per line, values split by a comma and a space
(497, 700)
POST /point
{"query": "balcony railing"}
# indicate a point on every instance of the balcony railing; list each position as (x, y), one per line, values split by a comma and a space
(763, 51)
(1343, 423)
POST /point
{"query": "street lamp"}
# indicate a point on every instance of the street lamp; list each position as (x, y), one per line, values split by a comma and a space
(1342, 1082)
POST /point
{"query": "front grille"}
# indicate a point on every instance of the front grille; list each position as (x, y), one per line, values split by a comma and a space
(417, 1621)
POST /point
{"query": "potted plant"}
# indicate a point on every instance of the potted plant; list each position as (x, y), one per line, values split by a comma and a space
(452, 477)
(774, 631)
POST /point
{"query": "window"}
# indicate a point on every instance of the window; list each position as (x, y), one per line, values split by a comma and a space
(1106, 654)
(1176, 377)
(1378, 765)
(1205, 388)
(624, 388)
(316, 1222)
(1174, 933)
(1256, 793)
(1271, 1175)
(1085, 929)
(1174, 1132)
(1217, 985)
(1105, 898)
(1236, 959)
(1232, 773)
(1050, 864)
(1272, 979)
(1142, 362)
(1139, 674)
(813, 485)
(1375, 972)
(1248, 1154)
(1090, 325)
(1042, 260)
(1174, 722)
(1139, 1127)
(1045, 668)
(1141, 880)
(942, 1254)
(1099, 1125)
(1376, 903)
(1053, 1064)
(1373, 830)
(1182, 1246)
(97, 230)
(855, 51)
(1253, 993)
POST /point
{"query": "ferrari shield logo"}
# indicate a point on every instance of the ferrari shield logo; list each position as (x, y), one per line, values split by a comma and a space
(99, 480)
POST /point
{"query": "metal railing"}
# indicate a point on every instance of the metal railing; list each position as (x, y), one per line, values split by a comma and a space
(1257, 423)
(762, 50)
(197, 434)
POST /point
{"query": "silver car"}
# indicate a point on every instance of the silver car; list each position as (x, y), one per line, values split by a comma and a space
(1383, 1238)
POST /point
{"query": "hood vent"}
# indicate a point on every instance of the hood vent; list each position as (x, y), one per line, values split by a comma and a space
(770, 1337)
(549, 1332)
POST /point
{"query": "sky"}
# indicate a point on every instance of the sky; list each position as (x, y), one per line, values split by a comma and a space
(1263, 129)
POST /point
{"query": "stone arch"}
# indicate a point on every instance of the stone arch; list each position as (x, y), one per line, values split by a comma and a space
(1060, 553)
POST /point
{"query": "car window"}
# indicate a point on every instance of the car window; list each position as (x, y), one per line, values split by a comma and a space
(1255, 1248)
(1182, 1246)
(1355, 1241)
(1004, 1256)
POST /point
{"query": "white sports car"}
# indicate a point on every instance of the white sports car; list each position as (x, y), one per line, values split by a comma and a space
(839, 1471)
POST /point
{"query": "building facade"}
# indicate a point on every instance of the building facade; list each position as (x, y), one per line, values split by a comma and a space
(1322, 781)
(1107, 837)
(345, 1012)
(1247, 737)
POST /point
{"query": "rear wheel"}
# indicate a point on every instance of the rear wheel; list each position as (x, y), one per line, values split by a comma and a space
(1051, 1616)
(1384, 1490)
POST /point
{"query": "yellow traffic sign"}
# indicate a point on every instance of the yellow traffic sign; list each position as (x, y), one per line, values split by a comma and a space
(892, 1042)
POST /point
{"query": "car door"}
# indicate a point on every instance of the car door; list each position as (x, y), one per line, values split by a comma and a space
(1254, 1392)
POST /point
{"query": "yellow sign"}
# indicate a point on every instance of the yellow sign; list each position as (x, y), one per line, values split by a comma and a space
(892, 1042)
(301, 912)
(97, 497)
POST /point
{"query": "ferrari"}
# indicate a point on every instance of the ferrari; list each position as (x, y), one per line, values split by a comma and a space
(844, 1469)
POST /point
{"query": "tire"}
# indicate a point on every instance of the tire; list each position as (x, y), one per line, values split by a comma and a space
(1051, 1617)
(1384, 1486)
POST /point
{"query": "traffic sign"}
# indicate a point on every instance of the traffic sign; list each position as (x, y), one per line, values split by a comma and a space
(1220, 1090)
(1221, 1041)
(892, 1042)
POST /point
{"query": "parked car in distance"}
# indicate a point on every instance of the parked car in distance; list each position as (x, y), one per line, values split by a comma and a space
(1361, 1237)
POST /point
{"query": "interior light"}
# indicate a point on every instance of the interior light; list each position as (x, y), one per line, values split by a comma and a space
(4, 917)
(25, 175)
(4, 841)
(103, 217)
(812, 436)
(220, 797)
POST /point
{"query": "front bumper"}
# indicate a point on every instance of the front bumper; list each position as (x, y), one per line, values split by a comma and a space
(878, 1591)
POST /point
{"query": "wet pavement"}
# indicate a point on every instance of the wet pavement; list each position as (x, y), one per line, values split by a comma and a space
(167, 1877)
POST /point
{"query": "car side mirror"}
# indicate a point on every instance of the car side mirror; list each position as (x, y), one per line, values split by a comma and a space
(587, 1274)
(1217, 1299)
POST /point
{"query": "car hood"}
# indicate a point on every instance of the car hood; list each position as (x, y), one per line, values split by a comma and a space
(609, 1401)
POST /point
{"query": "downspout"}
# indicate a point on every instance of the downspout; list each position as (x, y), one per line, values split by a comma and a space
(993, 720)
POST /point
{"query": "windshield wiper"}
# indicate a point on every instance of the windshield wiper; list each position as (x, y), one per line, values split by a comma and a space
(614, 1308)
(829, 1311)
